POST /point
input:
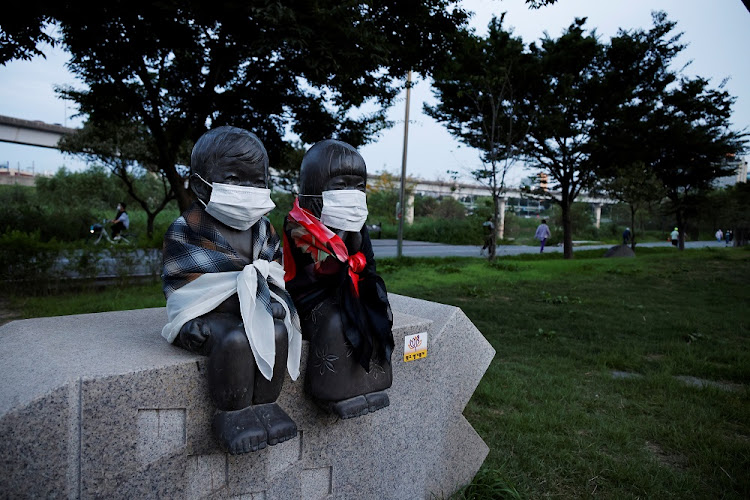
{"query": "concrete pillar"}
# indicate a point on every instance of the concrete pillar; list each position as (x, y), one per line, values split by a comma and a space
(501, 223)
(598, 214)
(409, 213)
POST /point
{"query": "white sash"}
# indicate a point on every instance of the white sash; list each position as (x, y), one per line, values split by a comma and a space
(205, 293)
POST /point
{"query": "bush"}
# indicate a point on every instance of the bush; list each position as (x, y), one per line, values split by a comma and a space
(25, 260)
(466, 231)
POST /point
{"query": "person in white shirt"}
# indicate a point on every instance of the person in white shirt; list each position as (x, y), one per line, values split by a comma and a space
(542, 234)
(675, 235)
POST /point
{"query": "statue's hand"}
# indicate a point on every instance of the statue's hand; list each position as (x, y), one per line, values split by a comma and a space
(277, 310)
(353, 242)
(194, 333)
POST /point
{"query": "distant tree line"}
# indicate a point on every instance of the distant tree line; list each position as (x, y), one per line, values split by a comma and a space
(610, 117)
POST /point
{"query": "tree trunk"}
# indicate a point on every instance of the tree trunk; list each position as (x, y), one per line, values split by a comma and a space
(150, 217)
(680, 229)
(493, 237)
(567, 229)
(181, 193)
(632, 228)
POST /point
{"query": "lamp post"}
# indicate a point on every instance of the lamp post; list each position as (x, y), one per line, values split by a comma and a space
(401, 197)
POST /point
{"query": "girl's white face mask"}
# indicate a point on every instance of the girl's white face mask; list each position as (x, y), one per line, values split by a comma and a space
(238, 207)
(344, 209)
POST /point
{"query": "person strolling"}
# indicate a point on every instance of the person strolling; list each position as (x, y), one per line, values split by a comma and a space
(542, 234)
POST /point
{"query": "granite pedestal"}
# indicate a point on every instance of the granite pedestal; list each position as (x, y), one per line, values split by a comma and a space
(101, 406)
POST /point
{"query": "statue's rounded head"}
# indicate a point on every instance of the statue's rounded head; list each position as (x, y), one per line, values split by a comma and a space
(329, 165)
(228, 155)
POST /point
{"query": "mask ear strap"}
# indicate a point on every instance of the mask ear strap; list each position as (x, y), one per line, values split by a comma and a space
(207, 183)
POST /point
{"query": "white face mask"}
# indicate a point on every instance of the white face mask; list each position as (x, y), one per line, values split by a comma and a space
(344, 209)
(238, 206)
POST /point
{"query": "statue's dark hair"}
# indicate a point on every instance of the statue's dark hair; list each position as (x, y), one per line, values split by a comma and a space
(324, 160)
(221, 143)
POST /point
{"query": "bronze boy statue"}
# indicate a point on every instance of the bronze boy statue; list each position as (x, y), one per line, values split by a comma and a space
(225, 290)
(330, 273)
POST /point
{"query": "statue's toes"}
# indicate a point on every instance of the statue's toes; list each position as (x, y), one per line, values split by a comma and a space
(239, 431)
(377, 401)
(254, 442)
(350, 408)
(278, 425)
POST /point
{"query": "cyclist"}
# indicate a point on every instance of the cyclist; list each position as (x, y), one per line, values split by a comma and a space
(121, 221)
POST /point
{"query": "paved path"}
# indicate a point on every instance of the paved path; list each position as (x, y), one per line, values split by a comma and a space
(388, 248)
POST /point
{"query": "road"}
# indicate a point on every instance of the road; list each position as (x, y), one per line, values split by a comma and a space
(387, 248)
(148, 262)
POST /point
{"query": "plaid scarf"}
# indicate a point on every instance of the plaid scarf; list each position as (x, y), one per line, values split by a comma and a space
(193, 247)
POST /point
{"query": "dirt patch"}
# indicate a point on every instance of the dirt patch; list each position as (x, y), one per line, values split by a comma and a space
(699, 382)
(664, 458)
(6, 313)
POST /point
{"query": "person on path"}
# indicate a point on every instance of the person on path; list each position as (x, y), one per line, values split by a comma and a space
(719, 235)
(626, 236)
(542, 233)
(675, 236)
(489, 228)
(727, 237)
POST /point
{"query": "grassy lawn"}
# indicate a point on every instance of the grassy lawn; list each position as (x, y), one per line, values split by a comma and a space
(583, 398)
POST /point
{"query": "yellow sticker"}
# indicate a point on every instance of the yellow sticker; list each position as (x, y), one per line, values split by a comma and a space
(415, 346)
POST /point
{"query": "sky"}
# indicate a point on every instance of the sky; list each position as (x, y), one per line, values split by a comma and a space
(715, 33)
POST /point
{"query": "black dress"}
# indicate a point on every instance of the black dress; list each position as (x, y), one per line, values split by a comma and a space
(351, 339)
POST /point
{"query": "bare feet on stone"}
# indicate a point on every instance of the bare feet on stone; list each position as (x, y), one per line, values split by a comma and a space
(239, 431)
(279, 426)
(377, 401)
(359, 405)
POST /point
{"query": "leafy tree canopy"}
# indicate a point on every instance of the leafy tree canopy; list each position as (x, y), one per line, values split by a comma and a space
(179, 68)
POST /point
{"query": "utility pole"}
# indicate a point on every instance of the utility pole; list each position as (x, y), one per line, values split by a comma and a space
(401, 197)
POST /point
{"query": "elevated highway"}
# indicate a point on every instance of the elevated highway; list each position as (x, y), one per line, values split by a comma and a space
(31, 132)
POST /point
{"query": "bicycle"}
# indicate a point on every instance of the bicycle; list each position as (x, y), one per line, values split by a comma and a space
(99, 233)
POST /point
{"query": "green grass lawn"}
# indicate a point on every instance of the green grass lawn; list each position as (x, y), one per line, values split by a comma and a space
(558, 422)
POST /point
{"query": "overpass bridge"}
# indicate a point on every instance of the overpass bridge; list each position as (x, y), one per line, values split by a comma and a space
(38, 133)
(516, 199)
(31, 132)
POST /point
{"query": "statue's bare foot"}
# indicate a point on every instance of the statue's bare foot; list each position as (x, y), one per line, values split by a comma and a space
(239, 431)
(350, 408)
(279, 426)
(377, 401)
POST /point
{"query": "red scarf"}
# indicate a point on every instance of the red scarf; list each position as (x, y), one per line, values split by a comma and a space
(313, 237)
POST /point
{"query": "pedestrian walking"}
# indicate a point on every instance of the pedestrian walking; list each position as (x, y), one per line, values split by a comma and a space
(675, 237)
(542, 233)
(719, 235)
(489, 229)
(626, 236)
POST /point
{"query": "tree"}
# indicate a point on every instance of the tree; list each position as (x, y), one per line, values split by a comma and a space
(637, 73)
(126, 150)
(285, 173)
(662, 134)
(177, 68)
(691, 138)
(561, 106)
(537, 4)
(478, 92)
(637, 187)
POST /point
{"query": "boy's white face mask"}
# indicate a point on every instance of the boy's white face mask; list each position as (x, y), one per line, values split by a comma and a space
(344, 209)
(238, 207)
